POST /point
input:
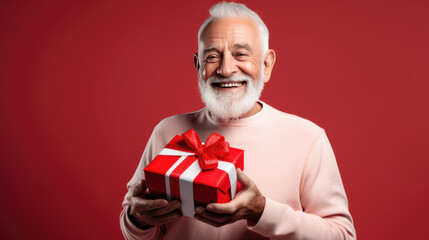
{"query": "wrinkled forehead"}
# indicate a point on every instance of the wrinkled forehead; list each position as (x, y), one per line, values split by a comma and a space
(230, 31)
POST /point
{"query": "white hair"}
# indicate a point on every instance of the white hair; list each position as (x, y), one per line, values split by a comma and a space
(231, 9)
(230, 106)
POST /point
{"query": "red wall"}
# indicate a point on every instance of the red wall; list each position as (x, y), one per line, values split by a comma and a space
(82, 84)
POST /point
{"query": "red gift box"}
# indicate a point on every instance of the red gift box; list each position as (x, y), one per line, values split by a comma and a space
(194, 173)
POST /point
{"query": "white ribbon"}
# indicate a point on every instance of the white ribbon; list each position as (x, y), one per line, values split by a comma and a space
(186, 179)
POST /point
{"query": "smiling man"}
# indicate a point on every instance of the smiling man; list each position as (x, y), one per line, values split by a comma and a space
(292, 188)
(232, 68)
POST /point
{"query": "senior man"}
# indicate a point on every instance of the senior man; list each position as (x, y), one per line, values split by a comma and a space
(292, 188)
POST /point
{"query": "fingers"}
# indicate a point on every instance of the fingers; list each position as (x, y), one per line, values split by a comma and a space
(224, 208)
(211, 218)
(140, 204)
(243, 179)
(248, 204)
(145, 212)
(172, 206)
(216, 219)
(236, 203)
(147, 219)
(139, 189)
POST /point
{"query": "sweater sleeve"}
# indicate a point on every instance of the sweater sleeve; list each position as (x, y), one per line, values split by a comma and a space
(324, 213)
(129, 230)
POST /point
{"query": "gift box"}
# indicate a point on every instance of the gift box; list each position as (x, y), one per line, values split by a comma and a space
(195, 173)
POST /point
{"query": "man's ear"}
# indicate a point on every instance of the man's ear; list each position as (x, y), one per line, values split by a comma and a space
(269, 60)
(196, 62)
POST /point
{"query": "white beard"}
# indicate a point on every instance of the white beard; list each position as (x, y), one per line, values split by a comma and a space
(230, 106)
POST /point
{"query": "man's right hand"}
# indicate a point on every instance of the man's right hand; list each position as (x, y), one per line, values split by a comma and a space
(146, 213)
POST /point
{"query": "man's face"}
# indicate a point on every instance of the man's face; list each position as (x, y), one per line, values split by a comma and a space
(231, 71)
(231, 46)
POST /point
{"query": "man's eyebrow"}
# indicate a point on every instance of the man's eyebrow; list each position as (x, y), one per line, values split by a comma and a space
(243, 46)
(210, 49)
(235, 46)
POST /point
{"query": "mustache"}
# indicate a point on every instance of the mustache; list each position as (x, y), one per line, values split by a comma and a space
(234, 78)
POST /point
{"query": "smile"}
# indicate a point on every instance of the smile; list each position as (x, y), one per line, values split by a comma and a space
(229, 84)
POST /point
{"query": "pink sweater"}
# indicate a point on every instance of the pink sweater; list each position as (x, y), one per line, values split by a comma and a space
(290, 160)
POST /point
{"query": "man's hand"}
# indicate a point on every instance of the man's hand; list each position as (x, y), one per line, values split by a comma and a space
(145, 213)
(248, 204)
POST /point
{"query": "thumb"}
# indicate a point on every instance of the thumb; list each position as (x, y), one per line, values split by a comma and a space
(243, 179)
(139, 189)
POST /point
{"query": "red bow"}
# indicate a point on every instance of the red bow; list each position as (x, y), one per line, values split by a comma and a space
(214, 149)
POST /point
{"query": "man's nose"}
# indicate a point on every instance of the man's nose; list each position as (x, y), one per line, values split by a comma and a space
(227, 66)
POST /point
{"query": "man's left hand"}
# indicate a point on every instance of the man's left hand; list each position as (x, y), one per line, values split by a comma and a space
(248, 204)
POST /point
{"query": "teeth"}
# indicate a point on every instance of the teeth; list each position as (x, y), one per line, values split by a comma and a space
(231, 84)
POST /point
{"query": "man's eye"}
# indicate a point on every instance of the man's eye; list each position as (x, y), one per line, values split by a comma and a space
(241, 56)
(212, 58)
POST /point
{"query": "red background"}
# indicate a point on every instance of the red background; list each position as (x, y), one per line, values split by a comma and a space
(82, 84)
